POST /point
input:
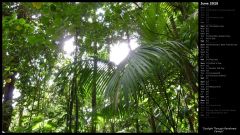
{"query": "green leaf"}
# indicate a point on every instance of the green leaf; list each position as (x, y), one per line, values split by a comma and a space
(37, 5)
(18, 27)
(22, 21)
(53, 7)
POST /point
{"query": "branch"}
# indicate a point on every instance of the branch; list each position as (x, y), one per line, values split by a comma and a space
(137, 5)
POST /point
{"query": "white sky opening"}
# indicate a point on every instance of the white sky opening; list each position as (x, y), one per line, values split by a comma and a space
(16, 94)
(36, 16)
(69, 48)
(50, 82)
(90, 20)
(100, 11)
(119, 51)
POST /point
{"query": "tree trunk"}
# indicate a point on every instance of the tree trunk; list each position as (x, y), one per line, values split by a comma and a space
(76, 109)
(7, 103)
(128, 41)
(190, 75)
(190, 121)
(76, 84)
(20, 115)
(152, 123)
(174, 27)
(70, 111)
(136, 113)
(137, 126)
(94, 90)
(151, 118)
(104, 126)
(112, 127)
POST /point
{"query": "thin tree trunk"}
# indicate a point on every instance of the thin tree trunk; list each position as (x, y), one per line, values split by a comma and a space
(72, 99)
(190, 121)
(136, 112)
(68, 116)
(7, 103)
(112, 127)
(104, 126)
(152, 123)
(137, 126)
(20, 116)
(151, 118)
(189, 117)
(76, 109)
(70, 111)
(189, 71)
(94, 90)
(76, 84)
(128, 40)
(174, 27)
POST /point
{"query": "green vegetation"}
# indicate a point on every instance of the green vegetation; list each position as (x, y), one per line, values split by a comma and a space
(154, 89)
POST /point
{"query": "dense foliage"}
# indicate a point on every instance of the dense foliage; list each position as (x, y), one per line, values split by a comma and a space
(154, 89)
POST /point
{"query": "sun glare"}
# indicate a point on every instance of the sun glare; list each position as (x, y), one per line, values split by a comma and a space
(120, 51)
(16, 93)
(69, 48)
